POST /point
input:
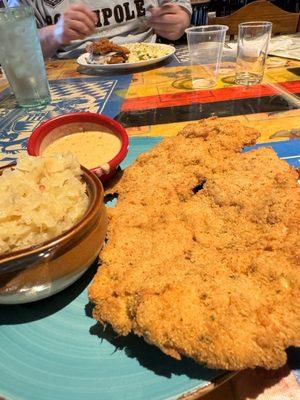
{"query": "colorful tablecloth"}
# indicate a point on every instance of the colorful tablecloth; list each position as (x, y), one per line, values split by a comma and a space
(157, 102)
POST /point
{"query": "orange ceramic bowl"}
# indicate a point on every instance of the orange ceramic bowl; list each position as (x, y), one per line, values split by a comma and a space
(40, 271)
(66, 124)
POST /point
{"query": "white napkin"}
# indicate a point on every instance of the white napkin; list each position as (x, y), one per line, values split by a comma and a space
(282, 44)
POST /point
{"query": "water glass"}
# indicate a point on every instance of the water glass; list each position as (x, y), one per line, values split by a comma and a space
(205, 45)
(253, 42)
(21, 55)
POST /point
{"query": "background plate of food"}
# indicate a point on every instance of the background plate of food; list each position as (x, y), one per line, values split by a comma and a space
(105, 54)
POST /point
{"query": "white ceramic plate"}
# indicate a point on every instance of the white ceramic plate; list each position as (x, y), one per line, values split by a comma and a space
(82, 60)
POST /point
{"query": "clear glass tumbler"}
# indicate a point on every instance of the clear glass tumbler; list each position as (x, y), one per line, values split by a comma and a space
(205, 45)
(21, 55)
(253, 42)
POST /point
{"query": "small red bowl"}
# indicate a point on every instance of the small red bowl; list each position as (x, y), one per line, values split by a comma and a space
(63, 125)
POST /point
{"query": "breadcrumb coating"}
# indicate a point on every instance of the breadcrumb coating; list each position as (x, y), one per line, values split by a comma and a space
(203, 250)
(105, 46)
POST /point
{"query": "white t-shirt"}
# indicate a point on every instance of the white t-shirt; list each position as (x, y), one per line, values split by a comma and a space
(121, 20)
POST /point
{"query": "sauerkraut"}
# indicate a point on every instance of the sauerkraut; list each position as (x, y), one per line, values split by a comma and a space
(40, 198)
(145, 51)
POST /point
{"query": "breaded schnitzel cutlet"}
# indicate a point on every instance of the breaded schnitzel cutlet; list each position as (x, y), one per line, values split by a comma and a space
(105, 46)
(203, 250)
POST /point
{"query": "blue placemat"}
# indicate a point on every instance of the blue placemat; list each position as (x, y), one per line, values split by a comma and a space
(95, 94)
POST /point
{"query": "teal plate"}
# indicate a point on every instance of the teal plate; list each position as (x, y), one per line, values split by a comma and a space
(54, 350)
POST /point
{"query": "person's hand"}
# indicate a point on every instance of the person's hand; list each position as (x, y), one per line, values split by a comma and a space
(77, 22)
(169, 20)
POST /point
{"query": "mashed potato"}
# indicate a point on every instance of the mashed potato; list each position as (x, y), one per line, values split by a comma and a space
(145, 51)
(41, 198)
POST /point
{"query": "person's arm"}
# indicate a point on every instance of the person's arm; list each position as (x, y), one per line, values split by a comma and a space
(48, 42)
(77, 22)
(170, 19)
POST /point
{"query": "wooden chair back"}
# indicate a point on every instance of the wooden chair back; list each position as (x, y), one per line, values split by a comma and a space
(260, 10)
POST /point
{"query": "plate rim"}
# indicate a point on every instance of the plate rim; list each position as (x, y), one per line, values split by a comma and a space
(195, 394)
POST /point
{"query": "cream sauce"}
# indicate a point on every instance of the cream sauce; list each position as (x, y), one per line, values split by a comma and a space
(92, 148)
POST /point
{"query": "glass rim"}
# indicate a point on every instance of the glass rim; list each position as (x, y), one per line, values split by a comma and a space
(207, 29)
(256, 24)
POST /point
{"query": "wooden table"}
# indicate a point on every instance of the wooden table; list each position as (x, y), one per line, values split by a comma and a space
(157, 102)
